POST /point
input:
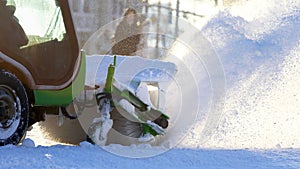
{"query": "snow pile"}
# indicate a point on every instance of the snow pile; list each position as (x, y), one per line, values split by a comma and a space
(259, 50)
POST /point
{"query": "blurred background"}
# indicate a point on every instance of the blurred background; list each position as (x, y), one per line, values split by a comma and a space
(162, 17)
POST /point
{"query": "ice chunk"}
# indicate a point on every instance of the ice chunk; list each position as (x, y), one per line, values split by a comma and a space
(85, 144)
(28, 143)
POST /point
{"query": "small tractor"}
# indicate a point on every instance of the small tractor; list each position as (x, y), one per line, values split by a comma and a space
(43, 70)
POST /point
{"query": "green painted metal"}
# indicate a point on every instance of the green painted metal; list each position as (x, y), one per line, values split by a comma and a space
(138, 103)
(110, 76)
(117, 95)
(148, 129)
(64, 96)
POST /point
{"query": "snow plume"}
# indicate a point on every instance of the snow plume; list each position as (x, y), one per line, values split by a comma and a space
(258, 43)
(262, 111)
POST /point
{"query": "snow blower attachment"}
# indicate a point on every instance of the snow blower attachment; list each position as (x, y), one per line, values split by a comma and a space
(121, 109)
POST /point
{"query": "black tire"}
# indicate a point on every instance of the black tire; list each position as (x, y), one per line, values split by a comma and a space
(14, 109)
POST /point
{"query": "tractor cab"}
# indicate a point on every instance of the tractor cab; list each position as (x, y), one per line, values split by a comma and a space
(40, 37)
(41, 67)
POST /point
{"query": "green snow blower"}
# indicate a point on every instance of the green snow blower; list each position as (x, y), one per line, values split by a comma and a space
(121, 110)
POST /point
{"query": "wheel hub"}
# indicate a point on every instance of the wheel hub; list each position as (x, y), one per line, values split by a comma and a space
(7, 107)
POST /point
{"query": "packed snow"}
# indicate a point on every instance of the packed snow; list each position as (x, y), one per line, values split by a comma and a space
(90, 156)
(258, 125)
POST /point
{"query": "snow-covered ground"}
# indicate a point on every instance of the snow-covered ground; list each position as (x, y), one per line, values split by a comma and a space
(90, 156)
(258, 44)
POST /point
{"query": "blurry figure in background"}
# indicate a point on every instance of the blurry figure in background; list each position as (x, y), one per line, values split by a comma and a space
(128, 34)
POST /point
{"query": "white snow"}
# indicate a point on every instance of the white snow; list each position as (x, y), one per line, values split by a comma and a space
(156, 127)
(100, 126)
(90, 156)
(28, 143)
(120, 86)
(146, 137)
(258, 43)
(98, 131)
(124, 74)
(126, 105)
(260, 57)
(143, 94)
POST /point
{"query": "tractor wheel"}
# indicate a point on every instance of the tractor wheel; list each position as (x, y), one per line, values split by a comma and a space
(14, 109)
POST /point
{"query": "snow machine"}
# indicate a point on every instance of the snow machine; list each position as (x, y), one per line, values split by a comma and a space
(131, 99)
(42, 71)
(131, 103)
